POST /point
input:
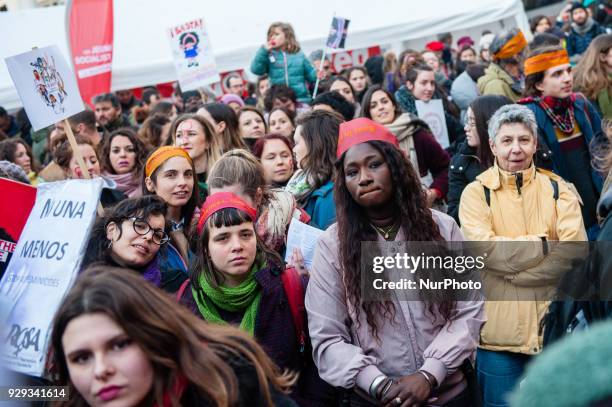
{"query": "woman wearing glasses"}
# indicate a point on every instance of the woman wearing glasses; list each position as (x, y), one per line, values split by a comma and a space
(474, 154)
(131, 235)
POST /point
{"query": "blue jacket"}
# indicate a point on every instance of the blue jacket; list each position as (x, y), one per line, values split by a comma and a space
(577, 44)
(288, 69)
(321, 207)
(590, 124)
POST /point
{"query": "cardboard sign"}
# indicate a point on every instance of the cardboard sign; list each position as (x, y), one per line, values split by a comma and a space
(44, 267)
(14, 213)
(46, 86)
(432, 113)
(193, 55)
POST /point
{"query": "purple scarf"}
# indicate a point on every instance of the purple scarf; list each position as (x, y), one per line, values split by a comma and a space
(152, 272)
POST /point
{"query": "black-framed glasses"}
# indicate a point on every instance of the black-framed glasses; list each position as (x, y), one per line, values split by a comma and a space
(142, 228)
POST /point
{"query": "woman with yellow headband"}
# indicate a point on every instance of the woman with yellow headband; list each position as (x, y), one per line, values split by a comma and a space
(567, 122)
(170, 174)
(503, 76)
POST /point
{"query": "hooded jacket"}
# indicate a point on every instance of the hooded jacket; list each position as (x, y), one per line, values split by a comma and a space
(496, 81)
(515, 271)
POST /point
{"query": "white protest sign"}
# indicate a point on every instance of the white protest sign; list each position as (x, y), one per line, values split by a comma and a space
(46, 86)
(432, 113)
(193, 55)
(43, 268)
(304, 237)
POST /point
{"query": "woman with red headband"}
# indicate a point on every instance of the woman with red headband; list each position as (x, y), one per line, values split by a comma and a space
(567, 123)
(391, 353)
(170, 174)
(237, 280)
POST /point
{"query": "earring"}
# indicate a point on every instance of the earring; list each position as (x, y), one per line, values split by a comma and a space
(110, 244)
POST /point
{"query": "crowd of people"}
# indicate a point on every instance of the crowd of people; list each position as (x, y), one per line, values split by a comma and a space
(185, 297)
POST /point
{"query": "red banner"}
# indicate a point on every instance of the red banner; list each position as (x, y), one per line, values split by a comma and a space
(14, 212)
(354, 57)
(90, 32)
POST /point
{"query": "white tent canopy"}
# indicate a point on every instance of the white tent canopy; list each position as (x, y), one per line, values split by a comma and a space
(142, 53)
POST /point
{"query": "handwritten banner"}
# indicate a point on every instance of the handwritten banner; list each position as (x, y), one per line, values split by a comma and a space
(43, 268)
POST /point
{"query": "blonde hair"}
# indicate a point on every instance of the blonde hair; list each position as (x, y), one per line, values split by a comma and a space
(291, 45)
(590, 75)
(238, 167)
(389, 62)
(213, 152)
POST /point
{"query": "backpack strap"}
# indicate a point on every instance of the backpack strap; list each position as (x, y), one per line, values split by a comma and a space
(555, 186)
(292, 283)
(554, 183)
(181, 290)
(487, 194)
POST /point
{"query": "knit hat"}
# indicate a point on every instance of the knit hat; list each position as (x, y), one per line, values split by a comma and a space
(465, 42)
(231, 98)
(486, 40)
(13, 171)
(572, 372)
(576, 5)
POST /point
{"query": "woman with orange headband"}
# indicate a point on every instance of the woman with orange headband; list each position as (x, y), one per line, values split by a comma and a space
(567, 122)
(237, 280)
(170, 174)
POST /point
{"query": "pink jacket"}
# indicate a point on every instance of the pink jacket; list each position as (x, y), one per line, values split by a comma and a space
(348, 356)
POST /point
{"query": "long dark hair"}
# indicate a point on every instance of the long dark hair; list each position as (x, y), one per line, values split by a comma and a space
(139, 148)
(203, 263)
(231, 134)
(417, 224)
(188, 209)
(98, 245)
(367, 99)
(8, 151)
(483, 108)
(177, 343)
(320, 131)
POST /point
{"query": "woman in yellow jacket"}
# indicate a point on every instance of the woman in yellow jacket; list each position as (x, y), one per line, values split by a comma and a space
(512, 202)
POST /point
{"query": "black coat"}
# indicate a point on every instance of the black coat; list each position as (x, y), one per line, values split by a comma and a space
(464, 168)
(248, 385)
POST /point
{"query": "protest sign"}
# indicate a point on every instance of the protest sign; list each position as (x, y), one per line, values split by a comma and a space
(46, 86)
(337, 32)
(90, 33)
(193, 55)
(304, 237)
(43, 268)
(14, 212)
(432, 113)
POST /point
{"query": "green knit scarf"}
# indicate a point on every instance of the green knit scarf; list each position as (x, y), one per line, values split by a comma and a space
(245, 296)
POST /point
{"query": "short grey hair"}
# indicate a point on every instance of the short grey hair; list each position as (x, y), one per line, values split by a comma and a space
(510, 114)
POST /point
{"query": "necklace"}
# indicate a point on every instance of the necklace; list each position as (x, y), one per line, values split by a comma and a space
(384, 232)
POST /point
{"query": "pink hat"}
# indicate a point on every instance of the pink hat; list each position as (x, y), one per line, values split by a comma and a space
(230, 97)
(361, 130)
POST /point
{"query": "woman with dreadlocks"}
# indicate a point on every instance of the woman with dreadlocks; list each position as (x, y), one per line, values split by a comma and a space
(391, 353)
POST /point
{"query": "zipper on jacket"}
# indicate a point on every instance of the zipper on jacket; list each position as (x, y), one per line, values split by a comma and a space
(286, 68)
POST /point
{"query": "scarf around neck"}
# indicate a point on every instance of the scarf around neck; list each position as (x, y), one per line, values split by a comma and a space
(584, 28)
(246, 296)
(128, 183)
(560, 111)
(299, 185)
